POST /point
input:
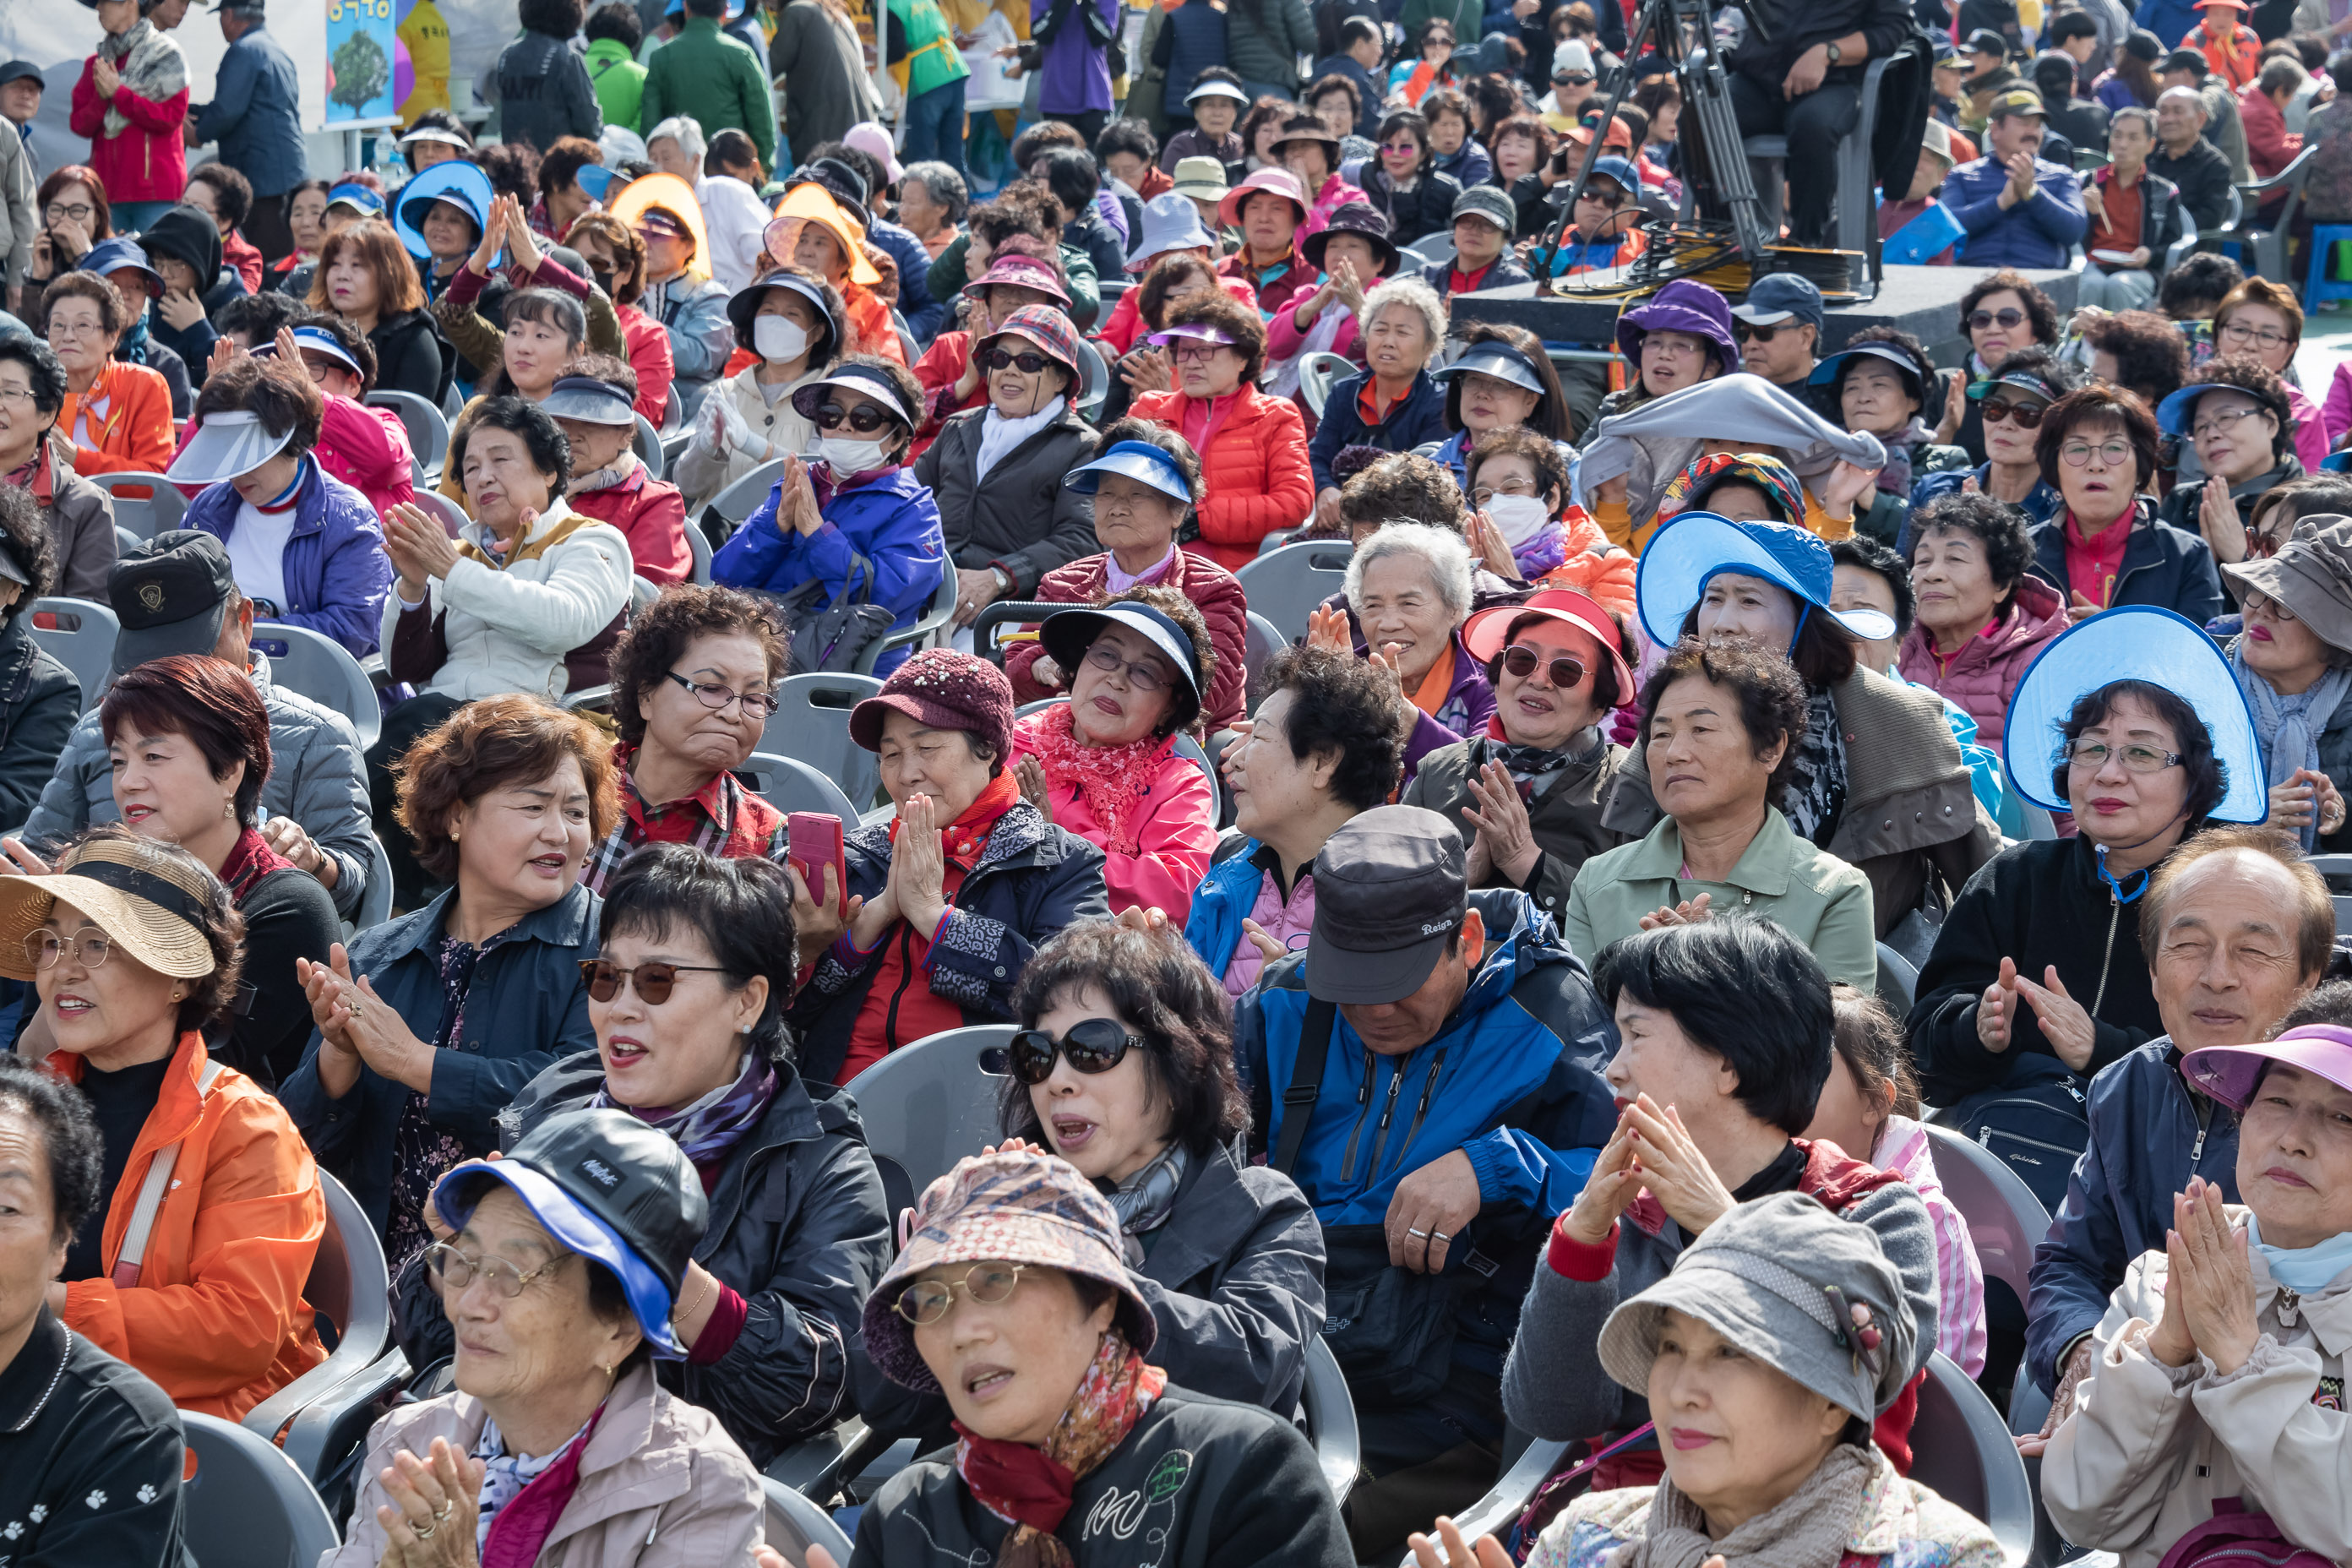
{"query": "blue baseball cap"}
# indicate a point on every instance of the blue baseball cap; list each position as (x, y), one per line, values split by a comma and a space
(1137, 460)
(595, 179)
(1621, 171)
(111, 256)
(1779, 297)
(359, 198)
(1692, 548)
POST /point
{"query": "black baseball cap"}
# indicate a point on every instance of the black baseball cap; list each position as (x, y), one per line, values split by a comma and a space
(1391, 890)
(2182, 60)
(18, 71)
(1779, 297)
(170, 594)
(1985, 42)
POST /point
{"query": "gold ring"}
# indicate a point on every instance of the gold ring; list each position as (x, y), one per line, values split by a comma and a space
(354, 1004)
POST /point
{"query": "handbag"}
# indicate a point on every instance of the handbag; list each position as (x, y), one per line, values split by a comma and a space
(833, 635)
(2037, 1121)
(2238, 1537)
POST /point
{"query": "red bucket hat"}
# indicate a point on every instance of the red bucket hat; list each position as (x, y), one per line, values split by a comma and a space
(942, 689)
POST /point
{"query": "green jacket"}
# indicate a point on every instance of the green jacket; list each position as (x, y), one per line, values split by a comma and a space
(1265, 38)
(716, 78)
(946, 280)
(619, 81)
(1818, 898)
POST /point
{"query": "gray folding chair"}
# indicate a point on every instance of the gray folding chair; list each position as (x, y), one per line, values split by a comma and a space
(2038, 824)
(1285, 585)
(794, 1524)
(649, 448)
(1495, 1513)
(350, 1286)
(1331, 1415)
(428, 431)
(674, 409)
(811, 722)
(789, 785)
(1094, 381)
(1188, 747)
(80, 633)
(929, 1104)
(1899, 981)
(928, 627)
(1317, 375)
(375, 898)
(247, 1503)
(453, 516)
(322, 669)
(125, 542)
(741, 498)
(1263, 642)
(698, 544)
(146, 504)
(1962, 1448)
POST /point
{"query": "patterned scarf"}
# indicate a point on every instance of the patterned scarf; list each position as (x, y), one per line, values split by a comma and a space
(1110, 779)
(132, 348)
(1144, 1201)
(718, 1121)
(1534, 768)
(2289, 727)
(153, 68)
(1816, 797)
(1807, 1528)
(1029, 1487)
(621, 472)
(1902, 447)
(506, 1474)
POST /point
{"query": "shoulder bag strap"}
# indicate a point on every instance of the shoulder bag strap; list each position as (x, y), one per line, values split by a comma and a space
(151, 1195)
(1305, 1082)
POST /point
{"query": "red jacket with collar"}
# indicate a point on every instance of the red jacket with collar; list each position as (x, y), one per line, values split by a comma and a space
(2270, 146)
(651, 513)
(1255, 475)
(1214, 592)
(149, 162)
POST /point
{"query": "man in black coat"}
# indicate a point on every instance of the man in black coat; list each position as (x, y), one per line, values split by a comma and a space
(2185, 157)
(1806, 83)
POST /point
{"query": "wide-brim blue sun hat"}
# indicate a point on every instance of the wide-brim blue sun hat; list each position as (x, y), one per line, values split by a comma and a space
(454, 181)
(2137, 642)
(1692, 548)
(1138, 460)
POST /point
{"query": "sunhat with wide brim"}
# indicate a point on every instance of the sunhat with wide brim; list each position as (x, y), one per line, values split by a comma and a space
(2230, 1073)
(812, 203)
(674, 196)
(1692, 548)
(150, 904)
(1138, 460)
(461, 184)
(744, 306)
(1067, 634)
(1281, 182)
(1484, 634)
(2311, 575)
(2137, 642)
(1029, 1209)
(228, 442)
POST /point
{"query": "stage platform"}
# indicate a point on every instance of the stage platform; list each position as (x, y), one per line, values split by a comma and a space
(1922, 300)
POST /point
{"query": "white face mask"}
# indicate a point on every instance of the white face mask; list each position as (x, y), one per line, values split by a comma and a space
(846, 457)
(1520, 517)
(778, 338)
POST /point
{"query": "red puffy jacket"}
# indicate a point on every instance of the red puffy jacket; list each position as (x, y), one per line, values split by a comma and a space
(1253, 470)
(1214, 591)
(149, 162)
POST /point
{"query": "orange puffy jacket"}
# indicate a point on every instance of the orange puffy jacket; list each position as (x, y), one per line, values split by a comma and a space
(1593, 566)
(1254, 474)
(135, 437)
(218, 1318)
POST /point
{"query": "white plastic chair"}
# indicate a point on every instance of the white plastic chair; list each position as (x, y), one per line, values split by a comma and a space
(1317, 372)
(649, 448)
(350, 1286)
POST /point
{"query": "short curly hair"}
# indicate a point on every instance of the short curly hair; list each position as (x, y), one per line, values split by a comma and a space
(69, 1140)
(1342, 705)
(111, 317)
(561, 165)
(1413, 295)
(280, 394)
(1518, 441)
(1183, 706)
(1220, 310)
(2151, 355)
(1773, 702)
(25, 539)
(2097, 404)
(209, 995)
(2244, 373)
(1402, 486)
(1331, 82)
(658, 636)
(42, 369)
(1999, 529)
(2040, 313)
(2206, 278)
(232, 193)
(1167, 273)
(488, 745)
(1864, 553)
(211, 702)
(550, 453)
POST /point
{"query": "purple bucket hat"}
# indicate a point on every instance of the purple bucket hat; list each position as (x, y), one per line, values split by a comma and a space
(2230, 1073)
(1007, 1208)
(1681, 306)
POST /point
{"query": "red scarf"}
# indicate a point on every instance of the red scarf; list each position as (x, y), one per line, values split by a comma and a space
(961, 841)
(1030, 1487)
(250, 858)
(1112, 779)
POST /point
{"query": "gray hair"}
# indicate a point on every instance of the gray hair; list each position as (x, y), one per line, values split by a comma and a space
(945, 187)
(686, 131)
(2143, 118)
(1444, 552)
(1415, 295)
(2188, 95)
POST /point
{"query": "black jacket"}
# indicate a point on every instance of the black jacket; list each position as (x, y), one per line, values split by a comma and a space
(2202, 177)
(798, 1227)
(1416, 214)
(1092, 233)
(410, 356)
(2181, 509)
(39, 702)
(1198, 1483)
(2162, 565)
(2039, 903)
(544, 94)
(1796, 26)
(90, 1454)
(289, 915)
(1021, 517)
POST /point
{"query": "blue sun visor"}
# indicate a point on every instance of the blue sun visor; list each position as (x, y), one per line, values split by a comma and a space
(1138, 460)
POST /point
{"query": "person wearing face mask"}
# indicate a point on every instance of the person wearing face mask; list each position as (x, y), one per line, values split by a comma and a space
(997, 472)
(852, 508)
(1519, 484)
(793, 320)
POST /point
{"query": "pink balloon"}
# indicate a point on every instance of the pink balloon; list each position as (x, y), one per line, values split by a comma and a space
(403, 71)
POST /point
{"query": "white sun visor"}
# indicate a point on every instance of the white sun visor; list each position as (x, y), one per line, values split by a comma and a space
(225, 446)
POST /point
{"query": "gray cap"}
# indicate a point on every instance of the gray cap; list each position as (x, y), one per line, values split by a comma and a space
(1778, 1277)
(171, 596)
(1494, 205)
(1391, 890)
(2311, 575)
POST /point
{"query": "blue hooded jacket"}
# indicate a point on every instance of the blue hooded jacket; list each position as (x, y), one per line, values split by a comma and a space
(1220, 904)
(890, 525)
(336, 571)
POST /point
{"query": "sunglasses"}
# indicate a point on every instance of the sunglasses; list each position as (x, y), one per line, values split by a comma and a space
(864, 418)
(1520, 661)
(653, 981)
(2026, 416)
(1401, 149)
(999, 359)
(1092, 1046)
(2006, 318)
(1573, 80)
(1748, 332)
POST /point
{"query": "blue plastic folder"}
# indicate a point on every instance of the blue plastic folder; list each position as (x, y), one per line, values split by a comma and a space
(1924, 236)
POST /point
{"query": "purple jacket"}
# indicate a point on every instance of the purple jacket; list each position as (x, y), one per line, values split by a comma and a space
(1469, 704)
(1076, 74)
(336, 571)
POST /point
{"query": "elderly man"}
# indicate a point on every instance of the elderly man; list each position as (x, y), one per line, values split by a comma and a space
(2019, 209)
(2135, 213)
(2186, 157)
(2238, 929)
(1779, 326)
(2223, 128)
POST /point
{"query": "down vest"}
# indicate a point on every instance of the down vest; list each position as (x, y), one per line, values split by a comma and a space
(1253, 469)
(1982, 676)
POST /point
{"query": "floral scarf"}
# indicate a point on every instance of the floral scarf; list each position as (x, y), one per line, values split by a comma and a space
(1809, 1527)
(1816, 797)
(1112, 780)
(710, 1126)
(153, 68)
(1030, 1488)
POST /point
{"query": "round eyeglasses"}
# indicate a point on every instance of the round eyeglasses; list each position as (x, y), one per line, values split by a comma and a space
(927, 1301)
(455, 1270)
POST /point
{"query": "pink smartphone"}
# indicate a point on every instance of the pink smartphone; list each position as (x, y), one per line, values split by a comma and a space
(813, 841)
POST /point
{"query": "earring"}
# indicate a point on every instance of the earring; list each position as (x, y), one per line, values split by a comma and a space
(228, 810)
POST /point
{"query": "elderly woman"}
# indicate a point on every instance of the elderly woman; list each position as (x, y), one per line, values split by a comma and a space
(615, 258)
(362, 444)
(366, 276)
(2234, 410)
(131, 102)
(1981, 616)
(1407, 589)
(1022, 270)
(791, 323)
(2262, 317)
(1679, 337)
(40, 699)
(1173, 279)
(133, 949)
(1725, 1032)
(450, 215)
(958, 889)
(1870, 1107)
(117, 416)
(688, 997)
(1871, 750)
(1326, 744)
(2215, 1358)
(1722, 722)
(74, 215)
(592, 404)
(1391, 402)
(458, 1004)
(1012, 1296)
(2097, 448)
(678, 292)
(1351, 252)
(997, 472)
(1881, 384)
(2293, 661)
(1557, 672)
(2037, 979)
(694, 679)
(559, 1376)
(1502, 380)
(873, 520)
(1404, 184)
(1310, 149)
(1519, 483)
(1104, 764)
(305, 546)
(813, 228)
(1252, 446)
(34, 386)
(2007, 408)
(1142, 485)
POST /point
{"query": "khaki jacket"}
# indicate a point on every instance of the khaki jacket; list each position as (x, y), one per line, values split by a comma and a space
(661, 1484)
(2149, 1447)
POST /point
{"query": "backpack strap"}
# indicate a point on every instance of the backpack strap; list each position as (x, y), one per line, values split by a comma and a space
(1306, 1081)
(151, 1195)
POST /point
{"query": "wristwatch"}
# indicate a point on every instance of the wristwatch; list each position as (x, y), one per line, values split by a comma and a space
(1835, 52)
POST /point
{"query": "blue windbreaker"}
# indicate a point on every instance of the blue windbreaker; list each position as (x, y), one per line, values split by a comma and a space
(890, 525)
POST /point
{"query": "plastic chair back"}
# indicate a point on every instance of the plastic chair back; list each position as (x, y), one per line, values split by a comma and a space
(1262, 643)
(1094, 378)
(453, 516)
(79, 633)
(375, 900)
(1495, 1512)
(428, 431)
(1899, 981)
(1290, 582)
(322, 669)
(789, 785)
(649, 448)
(2037, 823)
(1317, 373)
(125, 542)
(926, 627)
(673, 409)
(350, 1286)
(906, 343)
(247, 1503)
(929, 1104)
(1962, 1448)
(811, 722)
(146, 504)
(2006, 1221)
(698, 544)
(794, 1524)
(1330, 1414)
(737, 501)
